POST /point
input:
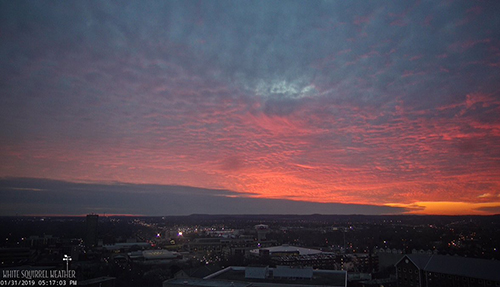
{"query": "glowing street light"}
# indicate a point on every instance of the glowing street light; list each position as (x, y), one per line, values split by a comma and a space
(67, 259)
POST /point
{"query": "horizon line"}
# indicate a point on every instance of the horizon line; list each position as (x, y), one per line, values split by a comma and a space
(254, 214)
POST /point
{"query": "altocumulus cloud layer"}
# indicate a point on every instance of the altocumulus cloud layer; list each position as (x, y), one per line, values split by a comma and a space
(330, 101)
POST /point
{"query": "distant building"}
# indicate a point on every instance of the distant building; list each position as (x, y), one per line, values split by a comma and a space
(285, 250)
(46, 240)
(125, 246)
(91, 235)
(153, 257)
(424, 270)
(363, 262)
(387, 258)
(319, 261)
(262, 230)
(288, 255)
(159, 254)
(226, 245)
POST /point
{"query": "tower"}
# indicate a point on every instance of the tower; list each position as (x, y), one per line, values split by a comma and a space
(262, 230)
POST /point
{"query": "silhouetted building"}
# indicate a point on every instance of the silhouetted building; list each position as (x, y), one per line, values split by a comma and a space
(388, 257)
(441, 271)
(91, 235)
(228, 246)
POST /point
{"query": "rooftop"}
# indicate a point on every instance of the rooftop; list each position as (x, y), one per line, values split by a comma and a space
(455, 265)
(288, 249)
(203, 283)
(319, 277)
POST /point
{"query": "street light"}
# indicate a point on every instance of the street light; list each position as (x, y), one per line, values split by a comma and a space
(67, 259)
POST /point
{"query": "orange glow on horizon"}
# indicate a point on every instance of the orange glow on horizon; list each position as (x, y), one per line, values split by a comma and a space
(447, 208)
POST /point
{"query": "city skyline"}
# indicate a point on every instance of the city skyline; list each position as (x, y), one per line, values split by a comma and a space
(361, 107)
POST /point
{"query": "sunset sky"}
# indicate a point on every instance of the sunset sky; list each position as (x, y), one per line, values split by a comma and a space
(380, 106)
